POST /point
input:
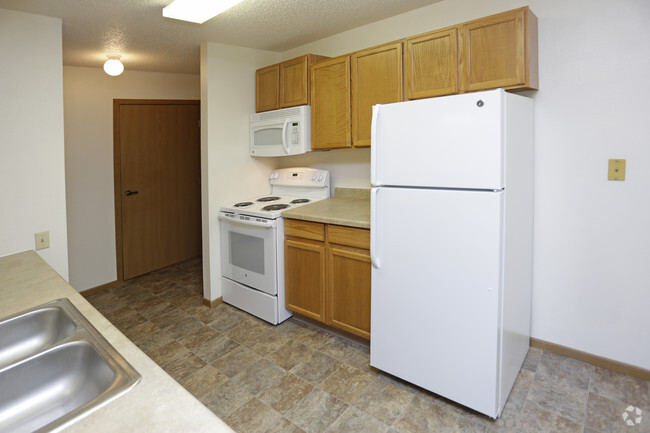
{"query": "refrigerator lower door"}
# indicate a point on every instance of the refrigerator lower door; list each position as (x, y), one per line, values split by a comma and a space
(436, 278)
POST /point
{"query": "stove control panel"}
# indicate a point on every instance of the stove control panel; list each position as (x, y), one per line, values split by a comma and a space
(300, 176)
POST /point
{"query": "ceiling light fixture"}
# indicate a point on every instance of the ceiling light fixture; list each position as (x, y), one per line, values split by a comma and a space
(113, 66)
(197, 11)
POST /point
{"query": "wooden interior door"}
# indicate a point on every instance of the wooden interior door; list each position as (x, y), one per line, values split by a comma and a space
(157, 184)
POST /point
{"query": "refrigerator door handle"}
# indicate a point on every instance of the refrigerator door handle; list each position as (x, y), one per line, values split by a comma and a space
(374, 144)
(374, 259)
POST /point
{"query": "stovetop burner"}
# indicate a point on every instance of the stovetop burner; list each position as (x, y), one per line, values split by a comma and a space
(290, 188)
(273, 207)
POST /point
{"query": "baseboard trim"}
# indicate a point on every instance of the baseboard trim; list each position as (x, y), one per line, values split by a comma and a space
(599, 361)
(214, 303)
(98, 289)
(338, 332)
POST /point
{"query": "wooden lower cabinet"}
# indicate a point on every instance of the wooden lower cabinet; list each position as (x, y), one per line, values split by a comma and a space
(329, 280)
(349, 290)
(304, 277)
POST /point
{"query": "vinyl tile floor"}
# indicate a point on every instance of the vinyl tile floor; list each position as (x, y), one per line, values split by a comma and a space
(296, 377)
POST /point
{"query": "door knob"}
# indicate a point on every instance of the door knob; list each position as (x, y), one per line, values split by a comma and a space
(129, 192)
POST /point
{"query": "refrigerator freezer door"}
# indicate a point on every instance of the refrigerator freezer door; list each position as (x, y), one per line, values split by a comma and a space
(447, 142)
(435, 305)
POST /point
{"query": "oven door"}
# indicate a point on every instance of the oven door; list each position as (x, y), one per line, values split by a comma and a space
(248, 252)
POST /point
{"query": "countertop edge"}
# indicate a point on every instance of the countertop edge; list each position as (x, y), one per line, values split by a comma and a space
(156, 404)
(344, 211)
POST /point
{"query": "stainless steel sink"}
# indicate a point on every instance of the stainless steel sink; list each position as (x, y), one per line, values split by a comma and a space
(55, 368)
(32, 332)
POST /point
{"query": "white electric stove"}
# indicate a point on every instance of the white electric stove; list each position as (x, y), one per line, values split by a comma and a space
(252, 241)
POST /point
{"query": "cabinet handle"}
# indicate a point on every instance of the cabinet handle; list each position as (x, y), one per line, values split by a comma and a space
(129, 192)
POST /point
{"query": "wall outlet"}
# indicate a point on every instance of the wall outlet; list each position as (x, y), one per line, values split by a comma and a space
(42, 240)
(616, 169)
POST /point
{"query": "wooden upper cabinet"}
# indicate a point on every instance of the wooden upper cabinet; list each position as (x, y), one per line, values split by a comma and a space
(267, 85)
(293, 82)
(330, 104)
(284, 84)
(499, 51)
(431, 66)
(376, 79)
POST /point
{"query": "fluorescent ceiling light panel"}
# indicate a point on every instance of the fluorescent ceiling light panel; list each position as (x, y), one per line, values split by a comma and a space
(197, 11)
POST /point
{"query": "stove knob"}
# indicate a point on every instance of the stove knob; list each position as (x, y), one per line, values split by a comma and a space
(314, 177)
(320, 177)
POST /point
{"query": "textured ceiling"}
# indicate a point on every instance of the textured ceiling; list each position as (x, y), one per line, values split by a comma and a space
(137, 30)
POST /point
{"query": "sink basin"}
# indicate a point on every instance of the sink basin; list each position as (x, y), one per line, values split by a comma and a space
(56, 368)
(32, 332)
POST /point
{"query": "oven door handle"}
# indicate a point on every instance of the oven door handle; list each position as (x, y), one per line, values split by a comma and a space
(265, 223)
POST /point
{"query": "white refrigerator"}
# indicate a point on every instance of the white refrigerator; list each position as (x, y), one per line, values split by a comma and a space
(451, 243)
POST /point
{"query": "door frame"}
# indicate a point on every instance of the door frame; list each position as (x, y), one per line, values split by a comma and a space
(117, 168)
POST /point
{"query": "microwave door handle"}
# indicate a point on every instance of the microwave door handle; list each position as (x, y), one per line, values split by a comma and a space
(284, 136)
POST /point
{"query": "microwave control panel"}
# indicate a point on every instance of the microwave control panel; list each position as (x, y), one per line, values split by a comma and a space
(294, 133)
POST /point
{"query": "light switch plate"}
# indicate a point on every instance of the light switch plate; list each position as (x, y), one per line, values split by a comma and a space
(616, 169)
(42, 240)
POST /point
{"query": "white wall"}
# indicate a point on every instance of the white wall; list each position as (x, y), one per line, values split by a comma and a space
(88, 102)
(228, 172)
(591, 274)
(32, 172)
(591, 236)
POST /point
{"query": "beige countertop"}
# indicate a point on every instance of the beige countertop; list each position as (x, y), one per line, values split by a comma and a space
(156, 404)
(349, 207)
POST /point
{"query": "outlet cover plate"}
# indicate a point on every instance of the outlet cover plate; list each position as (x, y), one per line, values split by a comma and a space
(42, 240)
(616, 169)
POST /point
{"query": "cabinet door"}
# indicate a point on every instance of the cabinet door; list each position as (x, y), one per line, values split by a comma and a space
(499, 51)
(432, 64)
(304, 277)
(267, 91)
(294, 88)
(376, 79)
(349, 289)
(330, 104)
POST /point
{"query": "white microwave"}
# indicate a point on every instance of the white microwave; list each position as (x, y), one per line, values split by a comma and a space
(281, 132)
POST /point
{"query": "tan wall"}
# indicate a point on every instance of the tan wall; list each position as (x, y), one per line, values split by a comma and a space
(228, 172)
(88, 95)
(591, 254)
(32, 177)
